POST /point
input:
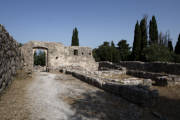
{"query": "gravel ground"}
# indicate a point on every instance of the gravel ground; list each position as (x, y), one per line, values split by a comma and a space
(49, 96)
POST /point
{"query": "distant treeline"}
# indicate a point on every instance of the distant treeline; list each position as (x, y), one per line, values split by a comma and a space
(149, 45)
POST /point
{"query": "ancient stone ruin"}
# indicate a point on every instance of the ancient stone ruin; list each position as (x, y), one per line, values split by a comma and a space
(130, 80)
(59, 56)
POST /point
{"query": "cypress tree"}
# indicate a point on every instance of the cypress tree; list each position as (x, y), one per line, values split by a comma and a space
(75, 38)
(143, 26)
(170, 46)
(137, 42)
(153, 31)
(177, 48)
(143, 34)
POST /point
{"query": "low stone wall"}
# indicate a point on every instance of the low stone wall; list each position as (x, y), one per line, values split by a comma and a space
(159, 78)
(109, 65)
(141, 95)
(157, 67)
(10, 58)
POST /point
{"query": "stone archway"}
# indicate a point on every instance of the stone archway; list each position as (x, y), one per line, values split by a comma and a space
(46, 56)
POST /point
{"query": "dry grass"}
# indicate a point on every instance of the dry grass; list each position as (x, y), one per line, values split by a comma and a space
(12, 100)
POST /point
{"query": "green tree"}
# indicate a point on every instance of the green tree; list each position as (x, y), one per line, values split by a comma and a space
(75, 38)
(143, 26)
(157, 52)
(114, 53)
(177, 47)
(137, 43)
(124, 50)
(170, 46)
(153, 31)
(104, 52)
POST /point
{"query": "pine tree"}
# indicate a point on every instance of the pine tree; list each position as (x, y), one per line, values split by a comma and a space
(137, 43)
(170, 46)
(153, 31)
(177, 48)
(75, 38)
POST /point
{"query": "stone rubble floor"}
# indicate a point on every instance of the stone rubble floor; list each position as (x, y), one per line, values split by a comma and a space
(50, 96)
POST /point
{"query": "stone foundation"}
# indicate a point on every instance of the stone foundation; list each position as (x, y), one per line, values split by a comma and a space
(137, 94)
(161, 76)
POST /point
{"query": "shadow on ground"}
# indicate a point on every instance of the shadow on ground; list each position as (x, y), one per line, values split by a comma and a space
(168, 109)
(100, 105)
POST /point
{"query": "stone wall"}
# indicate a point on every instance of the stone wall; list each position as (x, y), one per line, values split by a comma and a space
(59, 56)
(10, 58)
(109, 66)
(157, 67)
(163, 74)
(137, 94)
(160, 79)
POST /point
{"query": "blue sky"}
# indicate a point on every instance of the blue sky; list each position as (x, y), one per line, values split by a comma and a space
(96, 20)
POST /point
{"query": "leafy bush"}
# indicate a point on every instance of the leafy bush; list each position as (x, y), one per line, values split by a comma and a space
(175, 58)
(157, 53)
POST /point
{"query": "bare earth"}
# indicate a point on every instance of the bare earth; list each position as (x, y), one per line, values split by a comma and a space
(49, 96)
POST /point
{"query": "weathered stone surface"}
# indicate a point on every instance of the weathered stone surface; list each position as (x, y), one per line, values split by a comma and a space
(59, 56)
(138, 94)
(10, 58)
(159, 72)
(160, 79)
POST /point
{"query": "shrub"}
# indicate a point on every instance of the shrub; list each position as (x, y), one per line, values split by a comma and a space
(157, 53)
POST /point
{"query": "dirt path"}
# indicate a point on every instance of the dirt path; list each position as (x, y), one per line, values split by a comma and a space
(61, 97)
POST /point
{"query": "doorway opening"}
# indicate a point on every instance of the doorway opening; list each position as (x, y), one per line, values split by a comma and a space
(40, 59)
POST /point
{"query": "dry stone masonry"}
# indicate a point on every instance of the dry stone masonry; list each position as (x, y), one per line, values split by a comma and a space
(10, 58)
(59, 56)
(163, 74)
(136, 93)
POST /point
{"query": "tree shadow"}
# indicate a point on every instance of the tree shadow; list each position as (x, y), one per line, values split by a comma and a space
(168, 109)
(100, 105)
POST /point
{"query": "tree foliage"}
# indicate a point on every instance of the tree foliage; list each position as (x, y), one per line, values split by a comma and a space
(75, 38)
(170, 46)
(136, 51)
(157, 52)
(177, 47)
(153, 31)
(143, 26)
(159, 47)
(124, 50)
(107, 52)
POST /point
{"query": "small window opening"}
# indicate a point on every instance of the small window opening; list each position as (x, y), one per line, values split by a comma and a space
(82, 53)
(56, 58)
(89, 53)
